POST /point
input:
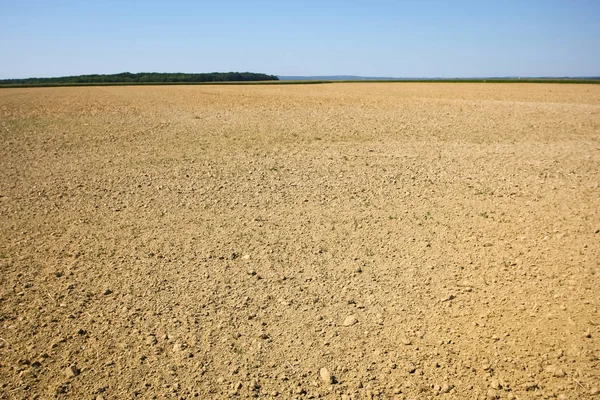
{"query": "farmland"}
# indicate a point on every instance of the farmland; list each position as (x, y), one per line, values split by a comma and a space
(366, 240)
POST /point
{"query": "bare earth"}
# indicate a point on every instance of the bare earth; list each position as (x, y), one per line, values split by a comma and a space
(358, 241)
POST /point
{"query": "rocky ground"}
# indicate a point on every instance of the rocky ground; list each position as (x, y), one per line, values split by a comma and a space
(355, 241)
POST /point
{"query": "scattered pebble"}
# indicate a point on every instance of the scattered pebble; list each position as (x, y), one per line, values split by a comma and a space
(406, 341)
(326, 376)
(495, 384)
(350, 320)
(107, 292)
(492, 394)
(151, 340)
(72, 371)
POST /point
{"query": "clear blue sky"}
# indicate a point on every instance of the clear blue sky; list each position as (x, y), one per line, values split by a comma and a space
(291, 37)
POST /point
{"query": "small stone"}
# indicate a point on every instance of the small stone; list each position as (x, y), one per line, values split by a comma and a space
(595, 390)
(107, 292)
(587, 334)
(491, 395)
(406, 341)
(326, 376)
(177, 347)
(495, 384)
(251, 272)
(246, 257)
(151, 340)
(300, 390)
(446, 387)
(72, 371)
(437, 388)
(350, 320)
(254, 385)
(99, 397)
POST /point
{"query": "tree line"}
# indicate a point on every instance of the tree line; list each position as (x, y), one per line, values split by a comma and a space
(147, 77)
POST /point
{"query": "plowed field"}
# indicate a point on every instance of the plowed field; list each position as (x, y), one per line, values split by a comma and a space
(357, 241)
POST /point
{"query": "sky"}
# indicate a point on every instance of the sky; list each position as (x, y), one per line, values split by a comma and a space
(426, 38)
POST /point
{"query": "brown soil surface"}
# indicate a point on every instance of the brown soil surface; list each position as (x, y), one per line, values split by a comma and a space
(356, 241)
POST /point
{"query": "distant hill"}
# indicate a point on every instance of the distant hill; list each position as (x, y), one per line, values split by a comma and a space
(158, 78)
(144, 77)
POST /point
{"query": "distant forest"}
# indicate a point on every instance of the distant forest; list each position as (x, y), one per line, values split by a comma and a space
(145, 77)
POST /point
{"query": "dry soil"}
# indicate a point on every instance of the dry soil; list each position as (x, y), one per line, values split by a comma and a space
(357, 241)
